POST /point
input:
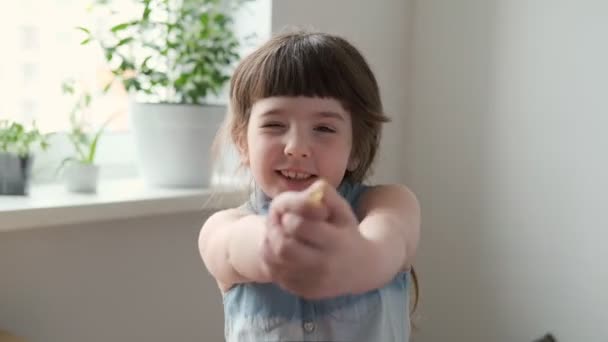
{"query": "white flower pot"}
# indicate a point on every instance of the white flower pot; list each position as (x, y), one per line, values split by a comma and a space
(81, 178)
(173, 142)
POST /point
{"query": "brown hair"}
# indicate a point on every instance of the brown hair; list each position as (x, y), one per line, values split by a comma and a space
(317, 65)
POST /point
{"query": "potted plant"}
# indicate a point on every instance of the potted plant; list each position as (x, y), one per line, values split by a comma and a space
(171, 58)
(80, 172)
(16, 159)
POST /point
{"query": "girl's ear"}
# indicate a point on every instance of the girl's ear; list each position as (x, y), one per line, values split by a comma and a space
(241, 147)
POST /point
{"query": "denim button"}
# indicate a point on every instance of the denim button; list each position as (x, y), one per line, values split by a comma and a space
(309, 326)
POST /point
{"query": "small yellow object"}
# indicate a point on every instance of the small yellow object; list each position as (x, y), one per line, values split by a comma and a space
(316, 196)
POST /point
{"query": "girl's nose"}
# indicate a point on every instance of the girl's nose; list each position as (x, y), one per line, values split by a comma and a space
(297, 147)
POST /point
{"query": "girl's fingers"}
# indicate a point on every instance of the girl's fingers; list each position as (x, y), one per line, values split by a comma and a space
(319, 234)
(339, 210)
(287, 252)
(298, 203)
(291, 223)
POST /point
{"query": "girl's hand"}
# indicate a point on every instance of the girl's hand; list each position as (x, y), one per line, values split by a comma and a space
(313, 247)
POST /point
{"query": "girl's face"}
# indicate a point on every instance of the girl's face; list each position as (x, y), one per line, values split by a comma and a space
(293, 141)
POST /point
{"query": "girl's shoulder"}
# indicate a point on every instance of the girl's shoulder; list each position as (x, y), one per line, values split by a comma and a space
(380, 195)
(224, 216)
(381, 190)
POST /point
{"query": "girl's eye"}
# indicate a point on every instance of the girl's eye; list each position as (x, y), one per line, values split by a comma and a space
(273, 125)
(325, 129)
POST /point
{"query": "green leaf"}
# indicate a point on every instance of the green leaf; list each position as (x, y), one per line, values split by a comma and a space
(109, 53)
(67, 87)
(83, 29)
(144, 64)
(147, 12)
(125, 41)
(107, 87)
(87, 99)
(205, 19)
(220, 19)
(120, 27)
(93, 146)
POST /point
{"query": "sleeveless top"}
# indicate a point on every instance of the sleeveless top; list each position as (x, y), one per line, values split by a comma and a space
(257, 312)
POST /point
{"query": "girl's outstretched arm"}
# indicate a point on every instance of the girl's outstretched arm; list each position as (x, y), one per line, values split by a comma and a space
(230, 243)
(390, 221)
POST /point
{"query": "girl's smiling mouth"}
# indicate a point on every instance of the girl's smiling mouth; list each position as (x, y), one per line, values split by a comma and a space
(293, 176)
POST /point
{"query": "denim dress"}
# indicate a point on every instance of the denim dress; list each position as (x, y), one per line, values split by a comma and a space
(257, 312)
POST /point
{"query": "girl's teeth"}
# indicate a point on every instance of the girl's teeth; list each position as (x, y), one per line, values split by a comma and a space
(295, 175)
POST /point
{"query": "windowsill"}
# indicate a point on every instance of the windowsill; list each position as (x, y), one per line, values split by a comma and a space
(51, 205)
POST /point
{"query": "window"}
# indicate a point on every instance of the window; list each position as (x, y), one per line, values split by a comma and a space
(41, 50)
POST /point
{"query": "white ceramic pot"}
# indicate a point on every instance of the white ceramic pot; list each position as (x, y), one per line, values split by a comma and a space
(81, 178)
(173, 142)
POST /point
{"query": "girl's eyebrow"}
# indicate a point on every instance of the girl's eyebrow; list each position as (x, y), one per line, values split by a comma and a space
(323, 114)
(329, 114)
(272, 112)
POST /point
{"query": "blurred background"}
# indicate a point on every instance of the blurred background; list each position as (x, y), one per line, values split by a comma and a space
(499, 111)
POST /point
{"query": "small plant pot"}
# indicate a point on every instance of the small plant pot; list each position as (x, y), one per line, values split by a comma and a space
(81, 178)
(15, 174)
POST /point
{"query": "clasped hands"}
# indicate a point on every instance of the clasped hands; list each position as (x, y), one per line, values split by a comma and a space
(312, 244)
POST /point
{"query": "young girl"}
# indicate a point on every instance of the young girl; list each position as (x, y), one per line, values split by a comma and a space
(315, 255)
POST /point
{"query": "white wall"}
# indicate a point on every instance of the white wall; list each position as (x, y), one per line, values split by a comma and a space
(498, 127)
(507, 150)
(379, 29)
(127, 280)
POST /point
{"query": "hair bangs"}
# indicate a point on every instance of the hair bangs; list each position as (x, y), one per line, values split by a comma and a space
(302, 68)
